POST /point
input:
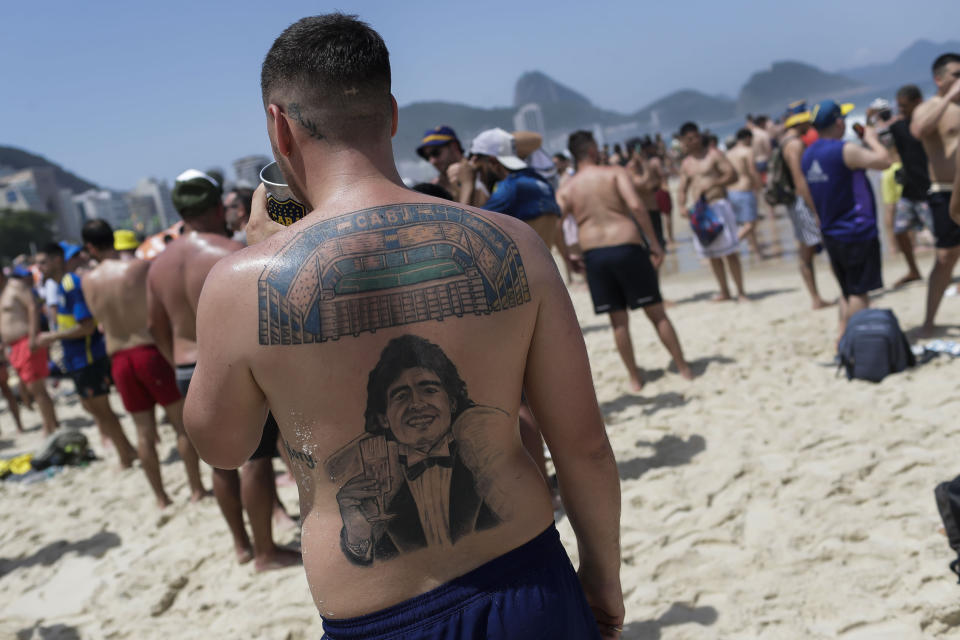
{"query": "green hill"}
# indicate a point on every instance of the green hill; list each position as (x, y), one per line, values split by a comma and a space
(19, 159)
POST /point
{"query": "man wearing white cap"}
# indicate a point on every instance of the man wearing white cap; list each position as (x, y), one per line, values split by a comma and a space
(517, 190)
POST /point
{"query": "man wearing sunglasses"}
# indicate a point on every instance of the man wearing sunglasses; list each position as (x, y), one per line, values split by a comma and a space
(936, 123)
(441, 148)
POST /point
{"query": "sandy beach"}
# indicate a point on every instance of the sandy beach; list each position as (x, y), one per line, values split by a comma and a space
(769, 498)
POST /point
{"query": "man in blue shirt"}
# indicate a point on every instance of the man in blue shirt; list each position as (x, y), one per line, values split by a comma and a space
(834, 170)
(517, 190)
(84, 353)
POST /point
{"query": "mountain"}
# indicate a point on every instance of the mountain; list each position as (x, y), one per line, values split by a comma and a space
(19, 159)
(912, 66)
(769, 91)
(538, 87)
(681, 106)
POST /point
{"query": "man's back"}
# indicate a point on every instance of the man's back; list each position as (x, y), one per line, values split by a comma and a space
(386, 336)
(942, 142)
(761, 145)
(116, 292)
(741, 157)
(175, 280)
(593, 197)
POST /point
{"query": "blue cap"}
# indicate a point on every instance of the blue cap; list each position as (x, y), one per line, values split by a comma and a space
(436, 137)
(69, 250)
(826, 112)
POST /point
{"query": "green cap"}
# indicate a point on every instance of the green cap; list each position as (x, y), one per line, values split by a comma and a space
(195, 191)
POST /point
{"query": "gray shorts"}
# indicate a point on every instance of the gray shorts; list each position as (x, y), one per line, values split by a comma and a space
(912, 215)
(805, 227)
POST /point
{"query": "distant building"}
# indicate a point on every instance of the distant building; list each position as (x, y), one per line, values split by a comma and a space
(159, 193)
(36, 189)
(248, 170)
(104, 204)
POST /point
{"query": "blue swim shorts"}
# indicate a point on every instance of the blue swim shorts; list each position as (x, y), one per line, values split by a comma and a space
(529, 592)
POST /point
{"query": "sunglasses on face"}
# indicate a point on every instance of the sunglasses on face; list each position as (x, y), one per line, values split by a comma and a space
(433, 152)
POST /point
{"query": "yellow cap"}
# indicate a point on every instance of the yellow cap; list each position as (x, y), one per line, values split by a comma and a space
(125, 240)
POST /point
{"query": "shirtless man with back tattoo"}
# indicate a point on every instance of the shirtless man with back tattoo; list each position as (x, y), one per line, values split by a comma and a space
(390, 334)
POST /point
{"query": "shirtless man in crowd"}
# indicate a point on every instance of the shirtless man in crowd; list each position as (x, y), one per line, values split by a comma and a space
(173, 289)
(19, 328)
(743, 192)
(416, 491)
(646, 172)
(761, 145)
(116, 292)
(706, 173)
(936, 123)
(621, 271)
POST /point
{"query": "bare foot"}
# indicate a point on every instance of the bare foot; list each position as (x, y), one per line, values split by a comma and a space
(720, 297)
(636, 382)
(910, 277)
(244, 554)
(743, 298)
(820, 303)
(928, 331)
(283, 520)
(197, 496)
(279, 559)
(163, 502)
(685, 371)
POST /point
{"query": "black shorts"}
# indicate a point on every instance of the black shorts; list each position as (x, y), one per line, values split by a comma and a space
(945, 230)
(268, 440)
(855, 264)
(93, 380)
(621, 276)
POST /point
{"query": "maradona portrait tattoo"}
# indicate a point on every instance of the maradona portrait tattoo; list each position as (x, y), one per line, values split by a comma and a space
(386, 267)
(421, 473)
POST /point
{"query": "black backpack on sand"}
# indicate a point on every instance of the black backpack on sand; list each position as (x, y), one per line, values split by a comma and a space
(948, 503)
(873, 346)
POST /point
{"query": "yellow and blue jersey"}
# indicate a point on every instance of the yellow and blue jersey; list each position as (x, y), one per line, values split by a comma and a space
(72, 310)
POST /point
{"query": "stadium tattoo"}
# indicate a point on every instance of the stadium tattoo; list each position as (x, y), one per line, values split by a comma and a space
(386, 267)
(295, 110)
(422, 472)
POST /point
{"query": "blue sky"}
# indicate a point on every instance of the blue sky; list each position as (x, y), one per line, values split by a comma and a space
(115, 91)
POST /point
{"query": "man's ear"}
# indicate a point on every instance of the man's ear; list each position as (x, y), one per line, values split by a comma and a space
(280, 128)
(395, 116)
(382, 421)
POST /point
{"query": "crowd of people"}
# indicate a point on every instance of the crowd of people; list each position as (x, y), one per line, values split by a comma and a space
(378, 311)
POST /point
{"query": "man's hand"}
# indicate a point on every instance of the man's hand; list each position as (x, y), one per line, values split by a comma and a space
(260, 227)
(358, 501)
(606, 602)
(953, 93)
(44, 339)
(656, 254)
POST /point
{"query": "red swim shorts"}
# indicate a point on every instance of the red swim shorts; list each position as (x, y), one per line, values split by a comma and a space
(143, 378)
(30, 365)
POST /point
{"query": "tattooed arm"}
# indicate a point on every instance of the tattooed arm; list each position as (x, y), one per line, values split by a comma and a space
(560, 390)
(225, 408)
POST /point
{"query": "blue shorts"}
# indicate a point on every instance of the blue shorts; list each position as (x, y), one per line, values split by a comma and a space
(529, 592)
(744, 205)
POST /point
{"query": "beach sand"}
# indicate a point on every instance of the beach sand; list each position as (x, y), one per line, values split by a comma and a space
(769, 498)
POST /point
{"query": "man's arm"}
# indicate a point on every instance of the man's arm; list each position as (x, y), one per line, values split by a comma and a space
(728, 175)
(33, 321)
(682, 191)
(640, 214)
(560, 391)
(755, 180)
(225, 408)
(873, 156)
(793, 155)
(923, 122)
(955, 198)
(158, 323)
(83, 328)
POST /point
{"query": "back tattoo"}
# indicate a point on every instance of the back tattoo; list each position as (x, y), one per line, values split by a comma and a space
(386, 267)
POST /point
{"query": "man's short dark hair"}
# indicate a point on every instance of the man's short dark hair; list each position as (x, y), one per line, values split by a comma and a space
(331, 74)
(761, 121)
(744, 134)
(560, 156)
(910, 92)
(942, 61)
(52, 249)
(578, 144)
(99, 233)
(411, 352)
(688, 127)
(245, 196)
